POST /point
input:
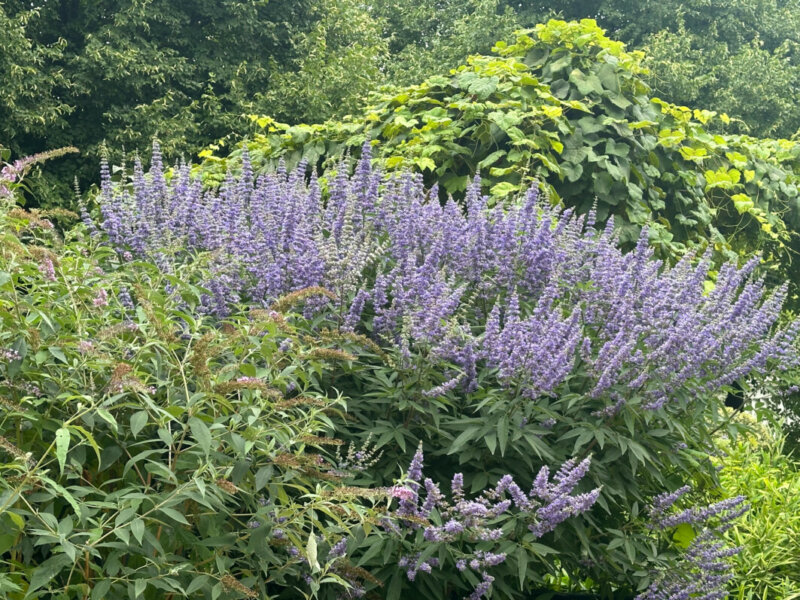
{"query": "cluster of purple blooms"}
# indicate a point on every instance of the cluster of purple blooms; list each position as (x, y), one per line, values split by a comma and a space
(545, 506)
(12, 173)
(528, 289)
(705, 571)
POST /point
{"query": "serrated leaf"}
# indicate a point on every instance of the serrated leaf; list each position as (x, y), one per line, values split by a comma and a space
(263, 475)
(137, 529)
(100, 589)
(65, 494)
(174, 514)
(197, 583)
(108, 418)
(47, 571)
(482, 87)
(58, 353)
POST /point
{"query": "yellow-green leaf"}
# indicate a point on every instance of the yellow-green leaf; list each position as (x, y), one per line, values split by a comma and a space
(742, 203)
(311, 552)
(62, 446)
(552, 111)
(684, 534)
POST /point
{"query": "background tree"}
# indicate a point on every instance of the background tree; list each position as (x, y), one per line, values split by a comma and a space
(434, 36)
(736, 56)
(27, 103)
(128, 70)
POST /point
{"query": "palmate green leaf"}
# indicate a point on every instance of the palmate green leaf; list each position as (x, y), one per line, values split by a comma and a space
(684, 534)
(483, 87)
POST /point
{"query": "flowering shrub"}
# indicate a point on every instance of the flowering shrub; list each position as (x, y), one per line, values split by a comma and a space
(149, 451)
(444, 534)
(571, 107)
(12, 173)
(146, 452)
(704, 571)
(511, 336)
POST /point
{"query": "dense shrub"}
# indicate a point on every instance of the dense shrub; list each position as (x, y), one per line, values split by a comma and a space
(143, 451)
(515, 336)
(27, 102)
(84, 74)
(148, 450)
(736, 56)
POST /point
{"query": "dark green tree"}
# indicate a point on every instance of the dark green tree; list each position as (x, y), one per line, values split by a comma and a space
(433, 36)
(124, 71)
(27, 103)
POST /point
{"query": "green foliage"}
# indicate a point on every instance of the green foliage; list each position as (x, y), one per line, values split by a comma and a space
(756, 467)
(701, 70)
(431, 37)
(493, 431)
(735, 56)
(127, 70)
(570, 107)
(28, 105)
(146, 451)
(339, 61)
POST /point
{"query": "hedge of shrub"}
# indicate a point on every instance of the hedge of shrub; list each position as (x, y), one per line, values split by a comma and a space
(757, 466)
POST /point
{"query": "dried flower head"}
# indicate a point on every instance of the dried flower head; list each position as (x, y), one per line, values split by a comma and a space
(247, 383)
(329, 354)
(286, 302)
(226, 486)
(234, 585)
